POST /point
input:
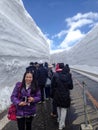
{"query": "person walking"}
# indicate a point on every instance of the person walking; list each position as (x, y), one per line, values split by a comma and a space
(48, 82)
(25, 96)
(58, 69)
(62, 98)
(42, 74)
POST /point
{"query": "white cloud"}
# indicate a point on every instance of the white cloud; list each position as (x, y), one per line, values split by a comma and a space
(89, 15)
(74, 24)
(80, 20)
(59, 35)
(72, 36)
(80, 23)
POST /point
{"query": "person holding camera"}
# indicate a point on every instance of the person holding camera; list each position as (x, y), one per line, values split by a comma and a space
(25, 96)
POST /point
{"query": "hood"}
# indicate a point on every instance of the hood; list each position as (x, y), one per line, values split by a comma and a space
(65, 70)
(62, 77)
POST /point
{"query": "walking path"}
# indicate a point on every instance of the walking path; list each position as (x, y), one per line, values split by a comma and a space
(75, 114)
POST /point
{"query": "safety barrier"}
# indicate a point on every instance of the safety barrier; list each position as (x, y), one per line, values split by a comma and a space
(87, 125)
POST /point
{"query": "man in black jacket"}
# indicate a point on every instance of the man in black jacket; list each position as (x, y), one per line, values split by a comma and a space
(42, 75)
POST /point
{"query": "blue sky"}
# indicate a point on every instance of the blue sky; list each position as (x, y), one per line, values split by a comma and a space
(64, 22)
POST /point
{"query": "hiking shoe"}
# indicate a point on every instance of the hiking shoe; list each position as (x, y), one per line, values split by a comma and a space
(61, 128)
(40, 102)
(53, 115)
(43, 101)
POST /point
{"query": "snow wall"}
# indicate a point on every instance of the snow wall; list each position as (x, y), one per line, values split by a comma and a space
(84, 55)
(21, 41)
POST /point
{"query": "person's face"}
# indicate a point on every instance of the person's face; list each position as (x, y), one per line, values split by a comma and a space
(28, 78)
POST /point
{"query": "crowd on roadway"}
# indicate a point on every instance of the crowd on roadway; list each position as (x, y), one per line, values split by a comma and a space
(41, 82)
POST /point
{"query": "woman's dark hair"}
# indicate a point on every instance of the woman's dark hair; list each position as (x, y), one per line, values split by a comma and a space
(61, 65)
(65, 70)
(68, 68)
(34, 85)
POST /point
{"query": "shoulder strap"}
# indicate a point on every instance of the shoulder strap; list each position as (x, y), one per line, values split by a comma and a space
(19, 84)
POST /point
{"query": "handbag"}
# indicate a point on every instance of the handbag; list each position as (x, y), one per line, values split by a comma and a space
(12, 112)
(12, 109)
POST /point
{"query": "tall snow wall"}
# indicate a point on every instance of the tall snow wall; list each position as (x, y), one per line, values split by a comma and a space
(21, 41)
(84, 55)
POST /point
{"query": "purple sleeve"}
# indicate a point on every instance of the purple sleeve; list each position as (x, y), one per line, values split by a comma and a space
(37, 96)
(15, 94)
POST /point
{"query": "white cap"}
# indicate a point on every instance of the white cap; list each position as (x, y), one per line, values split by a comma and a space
(40, 62)
(50, 66)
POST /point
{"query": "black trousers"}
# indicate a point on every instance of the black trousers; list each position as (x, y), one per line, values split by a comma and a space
(54, 107)
(42, 92)
(24, 123)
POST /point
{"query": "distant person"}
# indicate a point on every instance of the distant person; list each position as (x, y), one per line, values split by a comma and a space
(48, 82)
(26, 102)
(31, 67)
(67, 67)
(36, 64)
(50, 71)
(53, 65)
(42, 74)
(46, 65)
(62, 99)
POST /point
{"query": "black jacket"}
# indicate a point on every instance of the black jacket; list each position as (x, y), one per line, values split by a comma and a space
(42, 75)
(61, 86)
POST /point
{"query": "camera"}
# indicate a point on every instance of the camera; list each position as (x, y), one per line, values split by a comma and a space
(25, 99)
